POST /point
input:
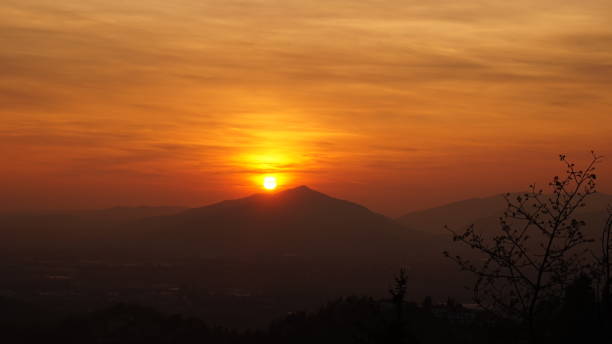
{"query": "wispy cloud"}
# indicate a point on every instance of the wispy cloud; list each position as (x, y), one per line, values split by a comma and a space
(337, 87)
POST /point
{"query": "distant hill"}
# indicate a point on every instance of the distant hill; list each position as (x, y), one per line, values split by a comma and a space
(128, 213)
(109, 214)
(66, 231)
(457, 215)
(484, 214)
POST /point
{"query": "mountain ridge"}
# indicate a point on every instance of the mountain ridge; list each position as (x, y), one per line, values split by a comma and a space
(483, 211)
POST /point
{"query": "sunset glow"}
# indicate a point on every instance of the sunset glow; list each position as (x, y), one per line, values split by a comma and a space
(232, 171)
(270, 183)
(190, 102)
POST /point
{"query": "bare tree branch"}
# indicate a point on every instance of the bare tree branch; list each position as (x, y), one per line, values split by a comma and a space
(536, 253)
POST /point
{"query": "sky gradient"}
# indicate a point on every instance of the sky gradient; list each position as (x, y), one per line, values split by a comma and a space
(398, 105)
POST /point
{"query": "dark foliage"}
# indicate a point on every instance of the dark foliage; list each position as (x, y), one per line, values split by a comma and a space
(350, 320)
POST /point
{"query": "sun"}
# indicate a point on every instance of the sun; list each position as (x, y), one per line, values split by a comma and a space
(270, 183)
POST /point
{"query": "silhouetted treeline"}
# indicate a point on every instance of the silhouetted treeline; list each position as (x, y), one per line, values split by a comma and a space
(355, 319)
(346, 320)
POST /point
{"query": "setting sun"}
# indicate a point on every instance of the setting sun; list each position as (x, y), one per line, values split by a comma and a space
(270, 183)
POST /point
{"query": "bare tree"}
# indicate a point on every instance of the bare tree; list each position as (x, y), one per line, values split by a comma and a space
(538, 251)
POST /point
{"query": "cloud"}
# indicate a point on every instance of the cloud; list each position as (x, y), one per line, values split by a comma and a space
(338, 86)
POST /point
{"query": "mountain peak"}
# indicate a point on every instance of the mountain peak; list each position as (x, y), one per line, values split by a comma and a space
(303, 189)
(301, 192)
(297, 220)
(300, 202)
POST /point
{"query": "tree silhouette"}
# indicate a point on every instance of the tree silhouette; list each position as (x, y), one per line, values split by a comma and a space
(538, 251)
(398, 329)
(398, 293)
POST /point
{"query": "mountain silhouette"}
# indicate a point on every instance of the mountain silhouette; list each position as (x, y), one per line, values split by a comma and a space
(456, 215)
(297, 241)
(298, 222)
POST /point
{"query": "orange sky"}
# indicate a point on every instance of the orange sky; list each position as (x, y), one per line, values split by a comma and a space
(396, 104)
